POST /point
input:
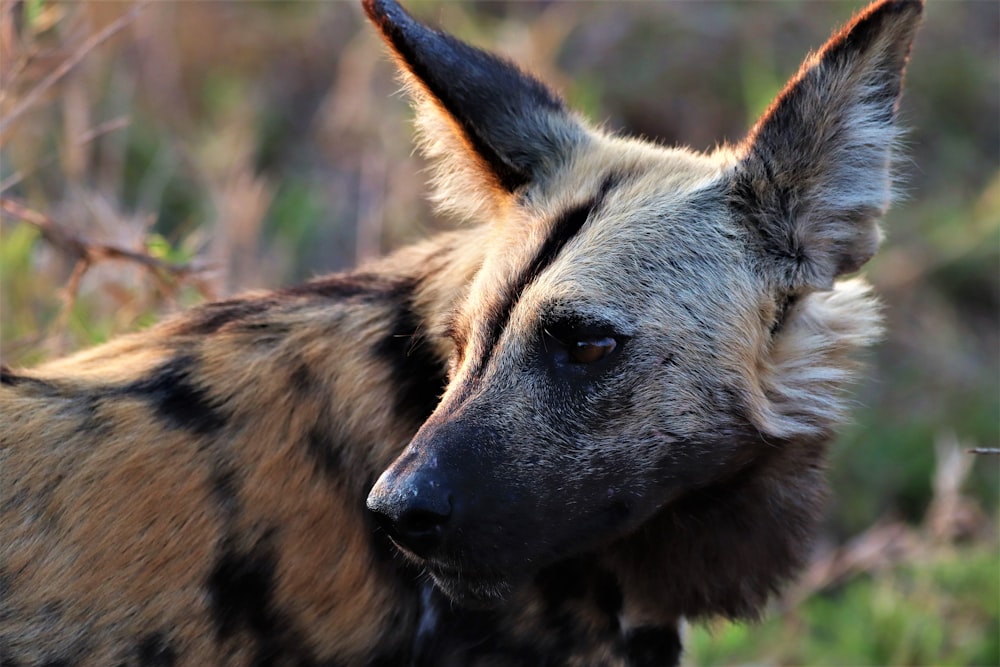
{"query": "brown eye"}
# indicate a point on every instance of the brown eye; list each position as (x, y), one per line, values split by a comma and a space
(589, 350)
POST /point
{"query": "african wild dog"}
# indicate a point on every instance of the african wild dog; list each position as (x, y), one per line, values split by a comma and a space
(601, 410)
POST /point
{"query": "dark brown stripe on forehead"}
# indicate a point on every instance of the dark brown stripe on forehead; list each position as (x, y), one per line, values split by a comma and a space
(565, 227)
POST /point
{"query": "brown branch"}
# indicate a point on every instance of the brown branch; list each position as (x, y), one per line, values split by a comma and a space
(72, 61)
(985, 450)
(69, 294)
(83, 250)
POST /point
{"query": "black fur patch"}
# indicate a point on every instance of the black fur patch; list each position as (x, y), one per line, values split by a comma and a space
(608, 596)
(177, 399)
(341, 286)
(241, 593)
(653, 647)
(212, 317)
(302, 379)
(471, 637)
(225, 491)
(574, 580)
(154, 650)
(563, 230)
(324, 452)
(93, 422)
(561, 583)
(8, 377)
(419, 373)
(241, 587)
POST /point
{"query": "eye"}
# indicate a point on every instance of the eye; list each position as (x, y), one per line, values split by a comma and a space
(590, 350)
(576, 343)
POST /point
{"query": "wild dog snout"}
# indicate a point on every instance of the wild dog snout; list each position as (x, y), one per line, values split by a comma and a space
(441, 489)
(414, 506)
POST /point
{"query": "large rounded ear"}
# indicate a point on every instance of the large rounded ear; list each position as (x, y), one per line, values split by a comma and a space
(814, 173)
(491, 128)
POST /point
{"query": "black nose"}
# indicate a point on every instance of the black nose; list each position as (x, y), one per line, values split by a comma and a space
(414, 511)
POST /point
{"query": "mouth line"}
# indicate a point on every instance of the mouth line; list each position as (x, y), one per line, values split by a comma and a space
(459, 573)
(456, 573)
(474, 587)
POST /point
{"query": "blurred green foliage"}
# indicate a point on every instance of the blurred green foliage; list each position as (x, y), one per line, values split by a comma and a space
(265, 142)
(940, 610)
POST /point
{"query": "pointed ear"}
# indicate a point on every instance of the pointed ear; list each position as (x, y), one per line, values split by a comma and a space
(814, 173)
(491, 128)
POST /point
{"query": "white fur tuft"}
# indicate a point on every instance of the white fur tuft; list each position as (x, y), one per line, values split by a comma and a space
(815, 356)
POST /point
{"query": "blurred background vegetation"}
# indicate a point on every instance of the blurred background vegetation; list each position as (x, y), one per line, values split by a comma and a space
(157, 155)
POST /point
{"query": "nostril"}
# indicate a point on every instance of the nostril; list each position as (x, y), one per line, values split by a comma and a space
(416, 521)
(421, 529)
(419, 521)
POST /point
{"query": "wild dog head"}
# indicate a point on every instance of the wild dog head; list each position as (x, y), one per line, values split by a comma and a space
(647, 321)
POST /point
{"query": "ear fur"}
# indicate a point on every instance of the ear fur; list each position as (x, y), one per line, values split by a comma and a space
(814, 172)
(490, 128)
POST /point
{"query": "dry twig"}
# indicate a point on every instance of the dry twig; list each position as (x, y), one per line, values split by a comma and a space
(86, 253)
(83, 250)
(33, 95)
